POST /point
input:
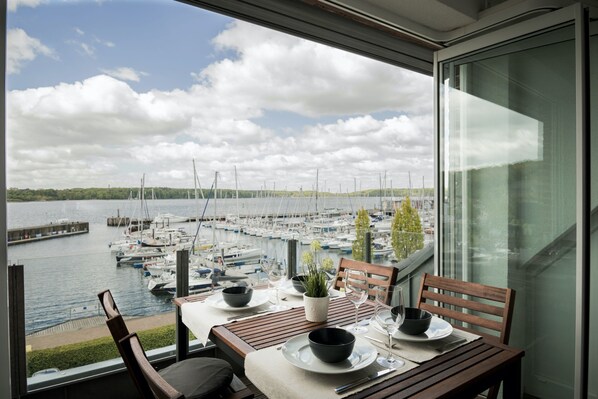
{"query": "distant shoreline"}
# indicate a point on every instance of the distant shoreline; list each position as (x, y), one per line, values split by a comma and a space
(124, 193)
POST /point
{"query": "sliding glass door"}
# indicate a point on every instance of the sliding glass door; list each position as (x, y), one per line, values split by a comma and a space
(593, 336)
(508, 186)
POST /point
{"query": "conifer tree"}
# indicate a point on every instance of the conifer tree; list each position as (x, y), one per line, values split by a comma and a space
(407, 233)
(362, 226)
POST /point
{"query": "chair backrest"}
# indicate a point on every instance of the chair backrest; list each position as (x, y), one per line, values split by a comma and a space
(471, 304)
(117, 326)
(379, 276)
(151, 385)
(118, 330)
(108, 304)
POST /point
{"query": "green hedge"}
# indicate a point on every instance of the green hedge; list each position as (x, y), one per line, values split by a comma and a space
(97, 350)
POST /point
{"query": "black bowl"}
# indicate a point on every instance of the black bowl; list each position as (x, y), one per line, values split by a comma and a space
(298, 281)
(331, 345)
(237, 297)
(416, 321)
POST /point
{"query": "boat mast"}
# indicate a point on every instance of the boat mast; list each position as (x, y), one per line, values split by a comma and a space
(317, 178)
(410, 184)
(141, 196)
(237, 194)
(423, 194)
(196, 198)
(380, 182)
(214, 222)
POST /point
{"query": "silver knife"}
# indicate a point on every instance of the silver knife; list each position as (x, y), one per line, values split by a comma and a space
(371, 377)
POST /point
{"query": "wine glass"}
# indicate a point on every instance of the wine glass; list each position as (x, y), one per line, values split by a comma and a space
(390, 314)
(356, 290)
(277, 274)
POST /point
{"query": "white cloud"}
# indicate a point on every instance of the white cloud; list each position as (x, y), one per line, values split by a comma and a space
(125, 73)
(12, 5)
(272, 71)
(101, 132)
(106, 43)
(87, 49)
(100, 107)
(340, 156)
(22, 48)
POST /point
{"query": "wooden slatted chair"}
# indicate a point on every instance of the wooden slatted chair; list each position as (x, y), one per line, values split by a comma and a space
(379, 276)
(200, 377)
(477, 308)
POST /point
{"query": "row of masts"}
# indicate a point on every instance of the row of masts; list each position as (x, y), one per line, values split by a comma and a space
(383, 192)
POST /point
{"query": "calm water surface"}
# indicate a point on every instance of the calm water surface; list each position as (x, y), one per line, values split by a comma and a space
(66, 273)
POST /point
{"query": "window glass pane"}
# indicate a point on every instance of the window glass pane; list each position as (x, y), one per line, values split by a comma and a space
(593, 355)
(103, 94)
(508, 142)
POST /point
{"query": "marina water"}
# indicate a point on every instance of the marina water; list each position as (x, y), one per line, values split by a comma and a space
(64, 275)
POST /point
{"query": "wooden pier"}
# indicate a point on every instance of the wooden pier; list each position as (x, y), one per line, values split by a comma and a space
(24, 235)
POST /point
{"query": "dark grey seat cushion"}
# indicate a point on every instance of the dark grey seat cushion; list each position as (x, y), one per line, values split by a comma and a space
(198, 377)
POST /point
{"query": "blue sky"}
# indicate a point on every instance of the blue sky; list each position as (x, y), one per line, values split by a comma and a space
(144, 35)
(101, 92)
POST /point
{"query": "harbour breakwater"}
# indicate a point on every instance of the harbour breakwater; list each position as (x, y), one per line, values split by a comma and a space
(59, 229)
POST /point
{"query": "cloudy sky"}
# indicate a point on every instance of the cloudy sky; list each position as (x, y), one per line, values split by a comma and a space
(101, 92)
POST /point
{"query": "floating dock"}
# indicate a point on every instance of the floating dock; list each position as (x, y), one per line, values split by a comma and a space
(24, 235)
(123, 221)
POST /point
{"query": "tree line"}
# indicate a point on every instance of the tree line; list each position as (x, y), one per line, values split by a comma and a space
(123, 193)
(115, 193)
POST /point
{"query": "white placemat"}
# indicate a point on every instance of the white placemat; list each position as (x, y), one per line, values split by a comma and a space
(420, 352)
(272, 374)
(200, 317)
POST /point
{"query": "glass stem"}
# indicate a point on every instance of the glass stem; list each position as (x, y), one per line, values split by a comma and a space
(389, 357)
(356, 311)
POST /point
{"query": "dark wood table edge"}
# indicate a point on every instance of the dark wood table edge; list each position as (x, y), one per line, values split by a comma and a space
(487, 373)
(508, 371)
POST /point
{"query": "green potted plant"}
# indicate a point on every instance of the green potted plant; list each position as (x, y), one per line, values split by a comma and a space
(315, 281)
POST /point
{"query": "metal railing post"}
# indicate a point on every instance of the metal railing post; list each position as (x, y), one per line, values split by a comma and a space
(182, 289)
(292, 258)
(367, 250)
(16, 306)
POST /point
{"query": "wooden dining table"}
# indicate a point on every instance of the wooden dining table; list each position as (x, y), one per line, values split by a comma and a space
(460, 373)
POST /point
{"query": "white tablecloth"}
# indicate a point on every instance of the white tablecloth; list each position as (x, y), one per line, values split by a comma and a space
(272, 374)
(200, 317)
(420, 352)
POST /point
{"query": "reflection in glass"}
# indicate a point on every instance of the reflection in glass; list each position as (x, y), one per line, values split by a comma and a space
(508, 159)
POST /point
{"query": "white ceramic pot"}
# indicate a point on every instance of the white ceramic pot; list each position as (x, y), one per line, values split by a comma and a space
(316, 309)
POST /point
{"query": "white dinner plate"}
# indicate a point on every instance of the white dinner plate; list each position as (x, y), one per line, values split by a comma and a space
(297, 351)
(438, 329)
(258, 298)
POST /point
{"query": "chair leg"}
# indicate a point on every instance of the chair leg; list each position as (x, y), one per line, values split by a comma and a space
(493, 392)
(238, 390)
